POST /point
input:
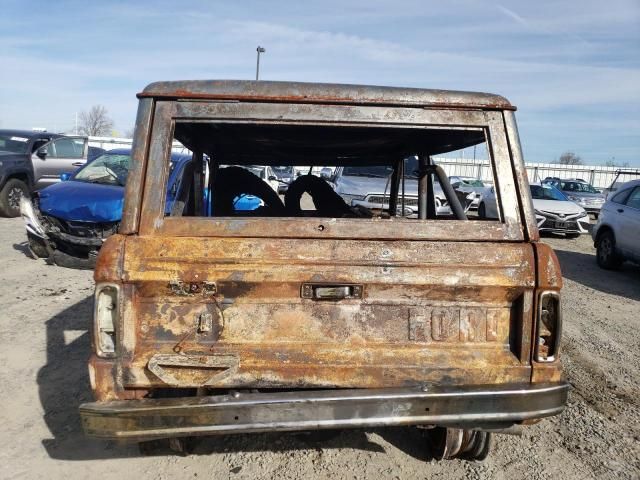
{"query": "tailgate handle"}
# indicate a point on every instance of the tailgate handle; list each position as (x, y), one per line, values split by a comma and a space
(323, 291)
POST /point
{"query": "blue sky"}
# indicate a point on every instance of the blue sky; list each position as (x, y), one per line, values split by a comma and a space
(571, 67)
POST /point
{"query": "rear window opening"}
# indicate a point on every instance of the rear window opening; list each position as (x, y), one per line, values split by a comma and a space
(292, 170)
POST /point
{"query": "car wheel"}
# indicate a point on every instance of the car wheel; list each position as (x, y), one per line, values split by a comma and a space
(10, 196)
(606, 251)
(482, 211)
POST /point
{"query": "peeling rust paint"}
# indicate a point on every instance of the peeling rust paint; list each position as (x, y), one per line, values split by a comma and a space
(438, 304)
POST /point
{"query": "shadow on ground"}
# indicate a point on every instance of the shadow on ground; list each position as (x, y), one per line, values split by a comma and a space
(582, 268)
(64, 384)
(22, 247)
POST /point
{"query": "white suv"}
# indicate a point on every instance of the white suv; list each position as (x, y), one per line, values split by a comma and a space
(616, 236)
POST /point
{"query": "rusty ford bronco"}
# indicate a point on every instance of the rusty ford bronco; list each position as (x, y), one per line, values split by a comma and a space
(322, 309)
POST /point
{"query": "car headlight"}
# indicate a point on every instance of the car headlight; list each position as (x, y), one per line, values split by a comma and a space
(105, 319)
(583, 214)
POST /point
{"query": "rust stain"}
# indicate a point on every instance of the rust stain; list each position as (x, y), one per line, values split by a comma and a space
(431, 310)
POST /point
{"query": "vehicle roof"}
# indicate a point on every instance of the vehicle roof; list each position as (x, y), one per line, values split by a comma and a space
(329, 93)
(630, 184)
(27, 133)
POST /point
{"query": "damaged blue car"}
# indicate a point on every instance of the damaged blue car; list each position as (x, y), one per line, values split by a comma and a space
(67, 222)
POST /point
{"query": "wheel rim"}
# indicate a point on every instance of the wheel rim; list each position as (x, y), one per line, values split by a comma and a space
(14, 197)
(605, 249)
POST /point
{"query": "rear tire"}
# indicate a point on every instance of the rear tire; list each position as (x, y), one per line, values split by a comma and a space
(10, 196)
(606, 255)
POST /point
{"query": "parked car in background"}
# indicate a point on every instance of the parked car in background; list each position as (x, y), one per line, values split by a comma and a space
(579, 191)
(265, 173)
(369, 187)
(616, 236)
(554, 212)
(68, 222)
(33, 160)
(286, 175)
(470, 190)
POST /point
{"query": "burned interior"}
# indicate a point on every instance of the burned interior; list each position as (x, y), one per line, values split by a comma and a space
(403, 157)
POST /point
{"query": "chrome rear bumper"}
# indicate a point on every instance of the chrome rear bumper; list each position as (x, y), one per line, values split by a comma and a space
(317, 409)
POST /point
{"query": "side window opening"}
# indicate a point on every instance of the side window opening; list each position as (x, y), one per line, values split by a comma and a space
(66, 148)
(634, 199)
(319, 171)
(621, 197)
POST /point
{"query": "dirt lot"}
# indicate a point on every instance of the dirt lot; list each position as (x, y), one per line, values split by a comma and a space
(45, 343)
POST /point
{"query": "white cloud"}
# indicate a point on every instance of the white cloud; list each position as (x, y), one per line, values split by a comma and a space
(546, 57)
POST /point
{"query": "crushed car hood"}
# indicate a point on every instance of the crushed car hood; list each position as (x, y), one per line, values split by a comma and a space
(83, 202)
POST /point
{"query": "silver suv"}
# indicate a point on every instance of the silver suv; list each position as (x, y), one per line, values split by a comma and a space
(580, 192)
(616, 236)
(369, 187)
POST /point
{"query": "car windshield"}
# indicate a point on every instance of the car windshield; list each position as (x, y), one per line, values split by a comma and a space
(546, 192)
(383, 171)
(107, 169)
(13, 143)
(578, 187)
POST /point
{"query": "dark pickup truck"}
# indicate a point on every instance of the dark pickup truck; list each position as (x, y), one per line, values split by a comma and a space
(33, 160)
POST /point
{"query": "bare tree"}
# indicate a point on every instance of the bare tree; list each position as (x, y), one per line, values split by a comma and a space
(613, 163)
(129, 132)
(96, 122)
(570, 158)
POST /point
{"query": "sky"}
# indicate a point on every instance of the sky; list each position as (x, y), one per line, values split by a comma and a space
(571, 67)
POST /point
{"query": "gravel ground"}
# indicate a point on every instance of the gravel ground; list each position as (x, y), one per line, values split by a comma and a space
(44, 343)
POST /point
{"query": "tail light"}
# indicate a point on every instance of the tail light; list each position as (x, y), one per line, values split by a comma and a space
(549, 327)
(105, 318)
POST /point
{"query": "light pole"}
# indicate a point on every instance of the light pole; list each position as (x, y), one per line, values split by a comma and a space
(259, 50)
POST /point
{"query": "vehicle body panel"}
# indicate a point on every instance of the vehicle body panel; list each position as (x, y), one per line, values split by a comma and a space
(580, 192)
(64, 154)
(230, 303)
(623, 219)
(82, 202)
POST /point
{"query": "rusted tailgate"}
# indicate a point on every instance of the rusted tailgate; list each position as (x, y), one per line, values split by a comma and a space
(230, 312)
